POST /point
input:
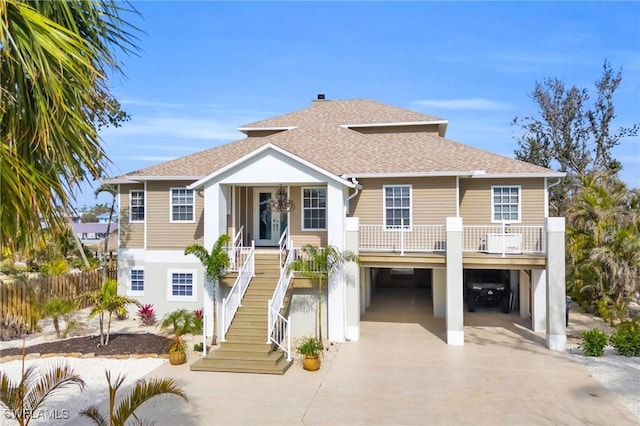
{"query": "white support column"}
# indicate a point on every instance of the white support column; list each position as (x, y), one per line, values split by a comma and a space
(455, 310)
(525, 291)
(556, 287)
(352, 282)
(439, 290)
(215, 210)
(363, 289)
(336, 212)
(539, 308)
(514, 280)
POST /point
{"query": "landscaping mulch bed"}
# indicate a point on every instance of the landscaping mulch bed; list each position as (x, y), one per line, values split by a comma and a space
(119, 344)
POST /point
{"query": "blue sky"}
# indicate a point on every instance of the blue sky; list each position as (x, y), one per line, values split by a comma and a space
(207, 68)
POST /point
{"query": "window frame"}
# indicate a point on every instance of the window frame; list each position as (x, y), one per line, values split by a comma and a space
(130, 290)
(387, 227)
(493, 204)
(171, 205)
(144, 206)
(194, 285)
(303, 209)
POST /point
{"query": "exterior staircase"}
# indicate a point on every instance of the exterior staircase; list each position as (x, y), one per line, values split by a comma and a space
(245, 350)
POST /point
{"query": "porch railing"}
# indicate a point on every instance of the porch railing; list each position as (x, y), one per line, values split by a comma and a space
(235, 258)
(504, 239)
(284, 246)
(231, 303)
(279, 327)
(418, 238)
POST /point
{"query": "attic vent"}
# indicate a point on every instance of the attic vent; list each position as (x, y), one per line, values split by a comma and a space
(320, 96)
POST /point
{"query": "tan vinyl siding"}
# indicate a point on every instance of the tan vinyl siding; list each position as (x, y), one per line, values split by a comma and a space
(131, 234)
(300, 237)
(433, 199)
(427, 128)
(476, 199)
(161, 232)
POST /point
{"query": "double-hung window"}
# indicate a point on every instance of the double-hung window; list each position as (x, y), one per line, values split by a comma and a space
(397, 206)
(505, 204)
(182, 205)
(314, 208)
(136, 206)
(136, 278)
(181, 285)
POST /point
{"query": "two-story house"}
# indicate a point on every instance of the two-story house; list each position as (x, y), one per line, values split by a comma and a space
(360, 175)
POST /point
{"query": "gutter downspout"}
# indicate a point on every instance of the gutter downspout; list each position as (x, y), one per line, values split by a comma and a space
(357, 187)
(346, 334)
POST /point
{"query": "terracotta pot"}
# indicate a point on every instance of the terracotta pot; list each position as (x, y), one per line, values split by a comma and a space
(177, 358)
(311, 363)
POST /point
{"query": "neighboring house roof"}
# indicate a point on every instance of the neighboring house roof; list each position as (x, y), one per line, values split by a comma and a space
(93, 228)
(320, 135)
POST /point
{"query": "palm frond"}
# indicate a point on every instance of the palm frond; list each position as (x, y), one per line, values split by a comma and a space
(51, 382)
(93, 413)
(142, 392)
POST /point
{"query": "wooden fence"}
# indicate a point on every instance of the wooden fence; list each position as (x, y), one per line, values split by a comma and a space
(21, 302)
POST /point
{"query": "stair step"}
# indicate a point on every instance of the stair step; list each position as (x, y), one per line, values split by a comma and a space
(249, 339)
(245, 356)
(221, 366)
(249, 347)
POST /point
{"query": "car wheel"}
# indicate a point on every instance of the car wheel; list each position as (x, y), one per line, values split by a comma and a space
(506, 302)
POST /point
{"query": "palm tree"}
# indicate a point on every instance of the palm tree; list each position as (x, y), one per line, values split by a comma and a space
(34, 388)
(318, 264)
(107, 301)
(214, 263)
(56, 307)
(142, 392)
(55, 63)
(113, 190)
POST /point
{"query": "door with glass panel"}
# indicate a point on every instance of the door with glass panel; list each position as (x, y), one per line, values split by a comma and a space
(267, 225)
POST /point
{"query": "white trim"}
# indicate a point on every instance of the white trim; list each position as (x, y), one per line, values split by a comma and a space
(384, 206)
(407, 174)
(131, 253)
(168, 256)
(396, 124)
(326, 211)
(146, 222)
(260, 150)
(253, 129)
(519, 220)
(136, 293)
(193, 206)
(457, 196)
(194, 285)
(144, 205)
(519, 175)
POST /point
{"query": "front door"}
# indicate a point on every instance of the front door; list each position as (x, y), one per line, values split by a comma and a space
(267, 225)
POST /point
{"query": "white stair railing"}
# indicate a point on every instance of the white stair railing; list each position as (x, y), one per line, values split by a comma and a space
(235, 255)
(279, 327)
(231, 303)
(283, 245)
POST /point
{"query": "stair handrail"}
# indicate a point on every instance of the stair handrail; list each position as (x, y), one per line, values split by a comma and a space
(278, 327)
(236, 247)
(283, 245)
(231, 303)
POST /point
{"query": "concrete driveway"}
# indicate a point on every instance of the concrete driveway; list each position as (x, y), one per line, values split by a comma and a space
(401, 372)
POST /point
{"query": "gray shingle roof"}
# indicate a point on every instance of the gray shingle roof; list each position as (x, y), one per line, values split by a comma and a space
(319, 138)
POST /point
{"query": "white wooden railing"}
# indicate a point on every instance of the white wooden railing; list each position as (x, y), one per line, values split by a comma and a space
(235, 256)
(418, 238)
(284, 245)
(231, 303)
(279, 327)
(504, 239)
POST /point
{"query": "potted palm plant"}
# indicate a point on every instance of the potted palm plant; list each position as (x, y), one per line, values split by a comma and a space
(310, 349)
(177, 349)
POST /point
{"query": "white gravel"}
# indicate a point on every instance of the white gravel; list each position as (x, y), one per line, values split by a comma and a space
(619, 374)
(66, 405)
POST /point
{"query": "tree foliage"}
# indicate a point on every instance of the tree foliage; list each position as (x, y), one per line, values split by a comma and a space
(55, 58)
(572, 135)
(603, 229)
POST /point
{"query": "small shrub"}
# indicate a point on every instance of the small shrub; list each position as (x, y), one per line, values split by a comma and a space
(197, 347)
(147, 314)
(180, 321)
(122, 314)
(197, 321)
(593, 342)
(626, 338)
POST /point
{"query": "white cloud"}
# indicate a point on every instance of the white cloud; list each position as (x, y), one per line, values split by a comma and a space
(172, 127)
(464, 104)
